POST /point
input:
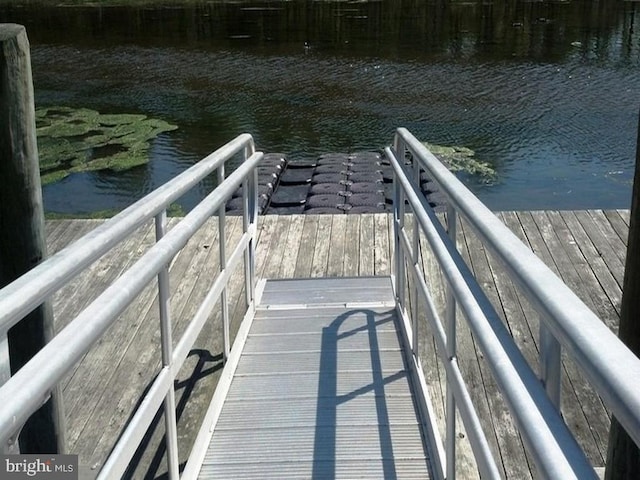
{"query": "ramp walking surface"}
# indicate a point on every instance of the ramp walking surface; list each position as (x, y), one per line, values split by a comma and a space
(321, 389)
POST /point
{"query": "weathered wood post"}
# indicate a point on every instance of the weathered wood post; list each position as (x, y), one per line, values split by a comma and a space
(22, 239)
(623, 456)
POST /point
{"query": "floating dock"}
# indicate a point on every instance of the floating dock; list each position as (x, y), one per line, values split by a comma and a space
(333, 183)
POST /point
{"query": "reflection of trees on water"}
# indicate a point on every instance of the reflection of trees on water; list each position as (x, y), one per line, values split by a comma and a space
(630, 44)
(401, 28)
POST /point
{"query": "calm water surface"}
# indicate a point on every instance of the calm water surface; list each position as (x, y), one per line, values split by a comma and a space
(546, 92)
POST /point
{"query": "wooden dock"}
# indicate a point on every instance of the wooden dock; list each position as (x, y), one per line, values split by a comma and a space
(586, 248)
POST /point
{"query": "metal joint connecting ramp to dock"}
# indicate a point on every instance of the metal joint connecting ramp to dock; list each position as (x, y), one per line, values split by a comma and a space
(321, 389)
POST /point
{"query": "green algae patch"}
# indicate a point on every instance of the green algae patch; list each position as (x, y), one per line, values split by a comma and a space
(462, 159)
(174, 210)
(83, 140)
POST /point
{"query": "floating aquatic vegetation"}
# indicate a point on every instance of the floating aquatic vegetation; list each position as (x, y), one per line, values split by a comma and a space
(174, 210)
(82, 140)
(461, 159)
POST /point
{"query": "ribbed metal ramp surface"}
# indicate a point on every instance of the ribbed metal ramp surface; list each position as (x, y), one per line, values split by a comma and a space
(321, 389)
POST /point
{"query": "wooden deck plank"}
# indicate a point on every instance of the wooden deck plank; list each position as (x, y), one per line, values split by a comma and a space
(536, 240)
(366, 260)
(323, 242)
(291, 246)
(53, 230)
(597, 282)
(434, 370)
(626, 216)
(573, 383)
(304, 261)
(614, 258)
(470, 367)
(575, 391)
(72, 231)
(86, 286)
(140, 362)
(277, 240)
(335, 265)
(572, 380)
(382, 246)
(610, 280)
(618, 223)
(562, 265)
(133, 364)
(503, 437)
(195, 382)
(50, 226)
(576, 278)
(236, 297)
(85, 374)
(521, 319)
(603, 224)
(134, 323)
(516, 313)
(466, 466)
(201, 372)
(267, 235)
(350, 266)
(266, 231)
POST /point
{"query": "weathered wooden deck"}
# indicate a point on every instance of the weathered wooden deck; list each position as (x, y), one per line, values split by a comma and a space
(586, 248)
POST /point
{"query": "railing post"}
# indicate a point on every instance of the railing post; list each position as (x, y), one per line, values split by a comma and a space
(398, 213)
(550, 365)
(223, 264)
(11, 447)
(171, 430)
(396, 236)
(450, 318)
(249, 190)
(253, 220)
(415, 258)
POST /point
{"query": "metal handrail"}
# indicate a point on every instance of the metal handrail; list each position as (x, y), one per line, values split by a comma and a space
(26, 293)
(25, 392)
(610, 366)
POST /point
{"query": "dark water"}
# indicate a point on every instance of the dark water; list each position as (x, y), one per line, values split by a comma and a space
(546, 92)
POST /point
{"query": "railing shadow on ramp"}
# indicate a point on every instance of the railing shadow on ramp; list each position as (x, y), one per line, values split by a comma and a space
(325, 441)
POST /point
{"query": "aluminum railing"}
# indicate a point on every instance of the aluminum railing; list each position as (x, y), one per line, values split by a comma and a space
(23, 393)
(611, 368)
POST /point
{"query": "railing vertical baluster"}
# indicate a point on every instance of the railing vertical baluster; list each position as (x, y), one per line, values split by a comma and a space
(450, 318)
(396, 235)
(11, 447)
(550, 365)
(223, 264)
(253, 221)
(399, 220)
(5, 366)
(171, 429)
(248, 217)
(415, 258)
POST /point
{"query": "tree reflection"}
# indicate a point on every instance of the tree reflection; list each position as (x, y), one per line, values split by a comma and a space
(507, 29)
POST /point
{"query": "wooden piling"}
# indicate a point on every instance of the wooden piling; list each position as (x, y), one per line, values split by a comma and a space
(22, 240)
(623, 456)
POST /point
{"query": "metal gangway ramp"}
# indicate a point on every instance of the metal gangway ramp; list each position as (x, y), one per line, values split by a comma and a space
(321, 389)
